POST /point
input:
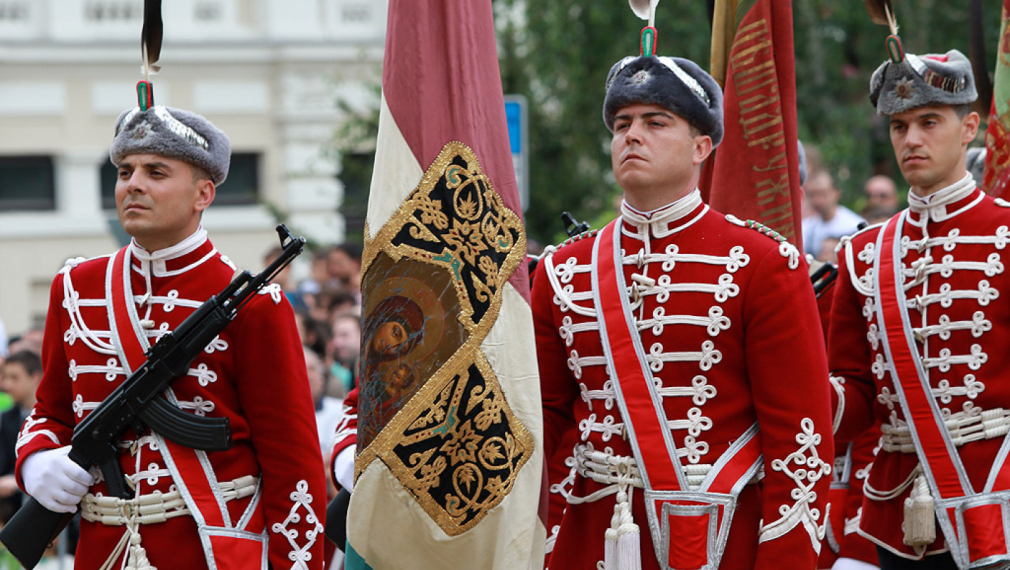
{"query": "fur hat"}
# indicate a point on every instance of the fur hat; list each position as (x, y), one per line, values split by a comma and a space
(918, 81)
(172, 133)
(674, 83)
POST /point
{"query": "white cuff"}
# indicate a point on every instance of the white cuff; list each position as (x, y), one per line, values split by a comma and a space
(343, 467)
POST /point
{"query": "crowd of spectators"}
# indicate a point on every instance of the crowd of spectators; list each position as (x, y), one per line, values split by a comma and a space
(826, 220)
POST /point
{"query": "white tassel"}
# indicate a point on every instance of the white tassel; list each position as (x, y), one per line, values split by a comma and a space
(136, 559)
(622, 550)
(629, 549)
(920, 518)
(610, 550)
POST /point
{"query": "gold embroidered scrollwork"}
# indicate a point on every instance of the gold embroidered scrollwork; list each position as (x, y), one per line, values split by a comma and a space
(455, 444)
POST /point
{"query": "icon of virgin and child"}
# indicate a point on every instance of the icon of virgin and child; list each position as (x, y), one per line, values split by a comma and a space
(409, 330)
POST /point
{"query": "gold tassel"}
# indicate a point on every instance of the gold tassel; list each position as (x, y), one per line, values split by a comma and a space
(920, 518)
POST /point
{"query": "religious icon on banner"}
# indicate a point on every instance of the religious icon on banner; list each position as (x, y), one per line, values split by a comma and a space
(430, 405)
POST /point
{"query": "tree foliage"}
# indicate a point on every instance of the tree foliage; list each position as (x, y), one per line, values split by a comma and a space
(557, 53)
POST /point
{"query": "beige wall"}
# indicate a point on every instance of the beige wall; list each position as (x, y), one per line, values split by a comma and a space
(267, 72)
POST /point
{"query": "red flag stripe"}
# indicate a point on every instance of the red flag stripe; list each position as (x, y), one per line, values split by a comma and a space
(441, 83)
(755, 172)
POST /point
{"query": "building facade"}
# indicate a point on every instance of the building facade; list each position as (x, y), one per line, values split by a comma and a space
(273, 74)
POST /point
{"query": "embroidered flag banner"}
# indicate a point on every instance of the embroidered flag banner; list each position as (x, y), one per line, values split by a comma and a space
(754, 174)
(450, 460)
(997, 158)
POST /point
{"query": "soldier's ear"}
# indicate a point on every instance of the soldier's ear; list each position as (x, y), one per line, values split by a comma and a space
(205, 193)
(702, 148)
(971, 123)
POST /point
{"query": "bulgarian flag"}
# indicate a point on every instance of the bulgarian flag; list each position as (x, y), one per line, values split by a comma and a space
(450, 460)
(754, 174)
(997, 157)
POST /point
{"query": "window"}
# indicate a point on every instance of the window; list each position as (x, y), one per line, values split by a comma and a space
(356, 13)
(356, 175)
(27, 183)
(11, 11)
(114, 10)
(107, 176)
(242, 187)
(208, 11)
(239, 189)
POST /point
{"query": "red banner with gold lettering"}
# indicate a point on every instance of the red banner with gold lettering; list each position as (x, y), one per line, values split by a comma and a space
(754, 174)
(997, 138)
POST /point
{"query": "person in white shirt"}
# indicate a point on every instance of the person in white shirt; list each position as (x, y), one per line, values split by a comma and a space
(830, 219)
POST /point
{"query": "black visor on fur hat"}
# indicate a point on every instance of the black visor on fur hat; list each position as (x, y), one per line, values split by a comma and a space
(172, 133)
(919, 81)
(673, 83)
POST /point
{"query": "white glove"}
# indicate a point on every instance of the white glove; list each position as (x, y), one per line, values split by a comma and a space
(54, 480)
(343, 467)
(852, 564)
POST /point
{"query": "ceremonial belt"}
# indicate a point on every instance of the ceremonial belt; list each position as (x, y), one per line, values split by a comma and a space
(689, 527)
(241, 546)
(976, 525)
(157, 507)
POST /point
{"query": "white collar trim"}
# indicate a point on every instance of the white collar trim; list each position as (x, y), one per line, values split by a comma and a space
(933, 208)
(665, 220)
(155, 260)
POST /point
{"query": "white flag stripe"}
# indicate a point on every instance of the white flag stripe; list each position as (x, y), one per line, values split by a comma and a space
(396, 175)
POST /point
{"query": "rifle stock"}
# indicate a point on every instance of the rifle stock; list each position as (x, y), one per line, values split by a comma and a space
(32, 529)
(139, 401)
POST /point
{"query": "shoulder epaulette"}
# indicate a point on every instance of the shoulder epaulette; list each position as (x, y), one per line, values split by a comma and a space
(765, 230)
(1002, 203)
(579, 237)
(786, 249)
(73, 262)
(846, 239)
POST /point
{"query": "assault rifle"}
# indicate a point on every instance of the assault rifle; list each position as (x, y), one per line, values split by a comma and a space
(139, 403)
(572, 229)
(822, 276)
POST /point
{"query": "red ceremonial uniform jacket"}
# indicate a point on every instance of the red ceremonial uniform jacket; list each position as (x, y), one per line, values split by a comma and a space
(728, 321)
(955, 281)
(851, 468)
(253, 373)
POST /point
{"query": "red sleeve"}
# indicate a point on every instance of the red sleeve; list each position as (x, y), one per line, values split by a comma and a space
(273, 389)
(51, 422)
(849, 358)
(787, 368)
(558, 387)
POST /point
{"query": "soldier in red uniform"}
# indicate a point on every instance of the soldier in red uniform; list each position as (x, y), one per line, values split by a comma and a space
(845, 548)
(682, 348)
(919, 303)
(256, 505)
